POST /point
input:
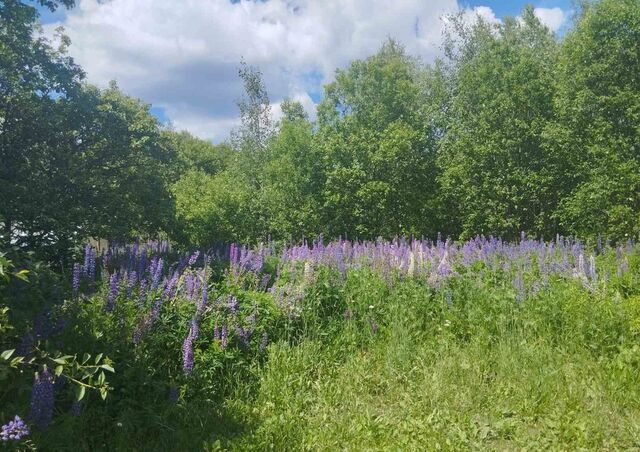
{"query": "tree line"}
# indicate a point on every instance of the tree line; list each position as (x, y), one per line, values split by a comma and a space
(512, 130)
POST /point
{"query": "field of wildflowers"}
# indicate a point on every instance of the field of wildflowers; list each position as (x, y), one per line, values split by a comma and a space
(375, 345)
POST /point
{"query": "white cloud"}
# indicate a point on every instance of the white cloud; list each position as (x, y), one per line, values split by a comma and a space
(553, 18)
(183, 56)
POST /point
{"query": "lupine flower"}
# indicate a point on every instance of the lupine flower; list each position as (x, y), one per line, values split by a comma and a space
(264, 341)
(243, 335)
(76, 280)
(131, 282)
(155, 280)
(194, 258)
(174, 394)
(76, 408)
(113, 292)
(224, 337)
(14, 430)
(232, 305)
(187, 348)
(142, 292)
(42, 399)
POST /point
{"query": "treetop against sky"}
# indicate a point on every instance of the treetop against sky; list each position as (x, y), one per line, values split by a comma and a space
(183, 57)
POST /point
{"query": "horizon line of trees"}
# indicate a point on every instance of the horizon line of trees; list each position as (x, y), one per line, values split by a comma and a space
(513, 130)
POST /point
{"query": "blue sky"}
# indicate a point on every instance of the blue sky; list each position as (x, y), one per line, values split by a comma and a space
(183, 56)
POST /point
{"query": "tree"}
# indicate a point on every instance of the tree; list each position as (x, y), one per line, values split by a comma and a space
(76, 161)
(377, 147)
(596, 136)
(291, 179)
(494, 176)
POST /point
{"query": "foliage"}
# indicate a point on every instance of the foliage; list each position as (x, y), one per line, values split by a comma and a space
(494, 168)
(595, 135)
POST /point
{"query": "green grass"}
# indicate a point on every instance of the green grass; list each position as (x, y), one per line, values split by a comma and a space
(559, 372)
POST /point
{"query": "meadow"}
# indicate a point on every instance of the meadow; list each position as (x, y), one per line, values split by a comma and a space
(399, 345)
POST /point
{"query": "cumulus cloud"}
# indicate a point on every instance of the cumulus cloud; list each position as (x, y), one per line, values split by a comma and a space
(554, 18)
(183, 56)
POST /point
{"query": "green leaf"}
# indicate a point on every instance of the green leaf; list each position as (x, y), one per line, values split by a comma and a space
(103, 392)
(7, 354)
(108, 367)
(59, 370)
(80, 391)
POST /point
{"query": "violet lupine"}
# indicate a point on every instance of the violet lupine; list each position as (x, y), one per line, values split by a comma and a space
(203, 300)
(142, 292)
(155, 279)
(14, 430)
(224, 337)
(232, 305)
(42, 399)
(174, 394)
(244, 335)
(216, 333)
(131, 282)
(113, 292)
(187, 348)
(264, 341)
(194, 258)
(76, 408)
(76, 280)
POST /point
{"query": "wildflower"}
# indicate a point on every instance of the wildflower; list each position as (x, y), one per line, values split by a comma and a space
(187, 348)
(113, 292)
(173, 394)
(76, 280)
(194, 258)
(232, 305)
(14, 430)
(264, 341)
(155, 278)
(244, 335)
(42, 399)
(76, 408)
(224, 337)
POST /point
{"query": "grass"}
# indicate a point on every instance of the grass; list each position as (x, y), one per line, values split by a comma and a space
(485, 374)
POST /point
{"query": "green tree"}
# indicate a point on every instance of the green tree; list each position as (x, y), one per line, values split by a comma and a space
(76, 161)
(292, 178)
(494, 176)
(596, 137)
(378, 148)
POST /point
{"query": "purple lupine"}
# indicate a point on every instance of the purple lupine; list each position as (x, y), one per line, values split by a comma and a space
(194, 258)
(113, 292)
(216, 333)
(76, 408)
(155, 278)
(187, 348)
(131, 282)
(224, 337)
(42, 399)
(142, 292)
(264, 341)
(14, 430)
(75, 284)
(174, 394)
(203, 299)
(244, 335)
(232, 305)
(170, 285)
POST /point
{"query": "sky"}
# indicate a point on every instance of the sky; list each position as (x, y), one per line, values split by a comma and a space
(183, 56)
